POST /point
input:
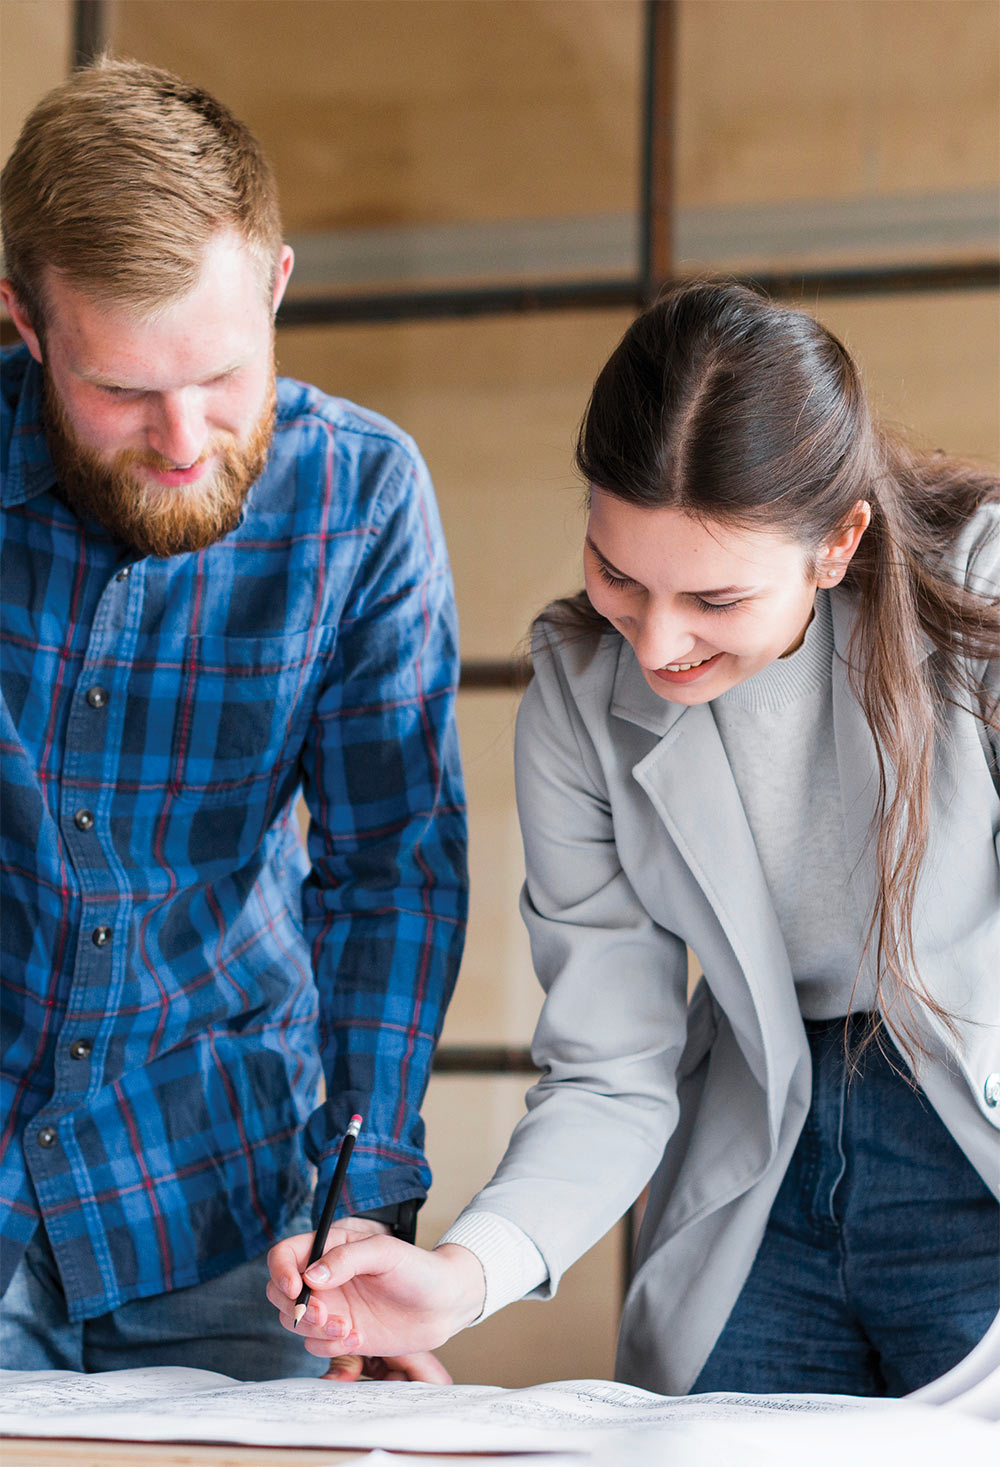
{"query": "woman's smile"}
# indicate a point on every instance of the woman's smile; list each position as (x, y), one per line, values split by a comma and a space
(686, 672)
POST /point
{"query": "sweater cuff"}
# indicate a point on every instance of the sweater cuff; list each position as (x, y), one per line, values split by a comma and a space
(511, 1264)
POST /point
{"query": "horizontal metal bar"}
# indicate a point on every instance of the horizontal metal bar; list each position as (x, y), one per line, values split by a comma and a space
(430, 305)
(583, 295)
(608, 294)
(482, 676)
(981, 274)
(484, 1059)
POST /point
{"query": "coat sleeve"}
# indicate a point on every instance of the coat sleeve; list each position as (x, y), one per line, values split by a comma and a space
(613, 1021)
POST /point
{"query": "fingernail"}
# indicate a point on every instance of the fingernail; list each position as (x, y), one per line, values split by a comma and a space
(288, 1284)
(335, 1329)
(318, 1274)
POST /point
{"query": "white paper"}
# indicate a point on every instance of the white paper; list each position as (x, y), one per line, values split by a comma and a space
(378, 1458)
(911, 1436)
(176, 1404)
(615, 1425)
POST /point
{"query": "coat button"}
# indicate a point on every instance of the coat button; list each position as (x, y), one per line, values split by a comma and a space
(991, 1090)
(101, 936)
(83, 820)
(81, 1049)
(47, 1137)
(124, 573)
(97, 697)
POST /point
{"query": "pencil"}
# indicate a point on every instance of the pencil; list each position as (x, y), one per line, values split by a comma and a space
(329, 1208)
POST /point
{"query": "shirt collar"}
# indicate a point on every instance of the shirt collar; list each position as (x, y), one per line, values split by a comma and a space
(29, 468)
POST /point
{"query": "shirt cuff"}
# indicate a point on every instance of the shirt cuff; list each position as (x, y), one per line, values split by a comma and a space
(511, 1264)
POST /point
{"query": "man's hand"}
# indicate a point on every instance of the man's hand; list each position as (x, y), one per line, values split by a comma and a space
(378, 1305)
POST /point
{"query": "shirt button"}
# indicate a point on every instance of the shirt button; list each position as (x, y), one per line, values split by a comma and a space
(81, 1049)
(124, 573)
(47, 1137)
(991, 1090)
(97, 697)
(83, 820)
(101, 936)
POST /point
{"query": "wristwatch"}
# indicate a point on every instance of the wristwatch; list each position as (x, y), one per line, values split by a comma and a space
(401, 1217)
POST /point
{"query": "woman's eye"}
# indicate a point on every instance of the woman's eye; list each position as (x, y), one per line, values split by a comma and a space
(618, 582)
(717, 605)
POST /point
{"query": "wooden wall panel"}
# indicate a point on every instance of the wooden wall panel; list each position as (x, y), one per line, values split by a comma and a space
(387, 112)
(36, 38)
(826, 98)
(494, 406)
(570, 1337)
(931, 363)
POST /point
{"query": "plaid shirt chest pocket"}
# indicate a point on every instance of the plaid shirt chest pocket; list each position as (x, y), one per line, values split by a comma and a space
(240, 712)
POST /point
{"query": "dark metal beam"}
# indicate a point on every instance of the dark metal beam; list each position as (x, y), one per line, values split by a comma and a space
(484, 1059)
(492, 674)
(431, 305)
(657, 246)
(982, 274)
(440, 305)
(371, 310)
(91, 28)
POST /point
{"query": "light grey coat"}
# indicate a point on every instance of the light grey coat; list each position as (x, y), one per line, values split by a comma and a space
(636, 844)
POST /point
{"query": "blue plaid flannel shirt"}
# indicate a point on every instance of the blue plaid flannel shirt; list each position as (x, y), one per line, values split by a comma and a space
(175, 969)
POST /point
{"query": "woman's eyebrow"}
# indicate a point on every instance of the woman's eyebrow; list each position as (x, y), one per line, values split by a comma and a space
(606, 562)
(716, 591)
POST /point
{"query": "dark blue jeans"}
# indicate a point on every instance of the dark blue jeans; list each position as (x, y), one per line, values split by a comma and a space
(225, 1324)
(880, 1265)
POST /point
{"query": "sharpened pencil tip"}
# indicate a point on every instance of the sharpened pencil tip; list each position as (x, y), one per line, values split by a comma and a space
(300, 1309)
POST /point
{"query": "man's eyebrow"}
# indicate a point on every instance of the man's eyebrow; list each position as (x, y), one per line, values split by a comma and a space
(101, 379)
(716, 590)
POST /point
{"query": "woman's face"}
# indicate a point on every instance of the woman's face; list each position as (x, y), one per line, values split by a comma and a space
(704, 606)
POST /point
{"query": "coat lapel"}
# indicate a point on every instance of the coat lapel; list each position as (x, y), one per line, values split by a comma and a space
(689, 782)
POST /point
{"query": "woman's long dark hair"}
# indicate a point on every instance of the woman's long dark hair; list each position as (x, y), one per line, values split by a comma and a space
(724, 405)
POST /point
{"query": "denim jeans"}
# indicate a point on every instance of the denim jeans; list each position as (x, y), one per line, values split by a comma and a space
(226, 1324)
(880, 1265)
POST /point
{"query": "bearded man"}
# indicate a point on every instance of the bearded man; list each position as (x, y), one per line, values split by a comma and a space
(218, 590)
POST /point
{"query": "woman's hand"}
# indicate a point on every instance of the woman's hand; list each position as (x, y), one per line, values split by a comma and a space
(377, 1304)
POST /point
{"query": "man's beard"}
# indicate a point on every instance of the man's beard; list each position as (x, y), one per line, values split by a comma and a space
(157, 519)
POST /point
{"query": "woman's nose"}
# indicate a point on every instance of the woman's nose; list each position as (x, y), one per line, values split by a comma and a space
(660, 638)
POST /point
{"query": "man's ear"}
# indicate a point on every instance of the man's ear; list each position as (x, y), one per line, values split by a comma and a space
(836, 555)
(285, 262)
(20, 320)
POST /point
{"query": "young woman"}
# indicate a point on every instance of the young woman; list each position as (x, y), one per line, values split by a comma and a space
(768, 731)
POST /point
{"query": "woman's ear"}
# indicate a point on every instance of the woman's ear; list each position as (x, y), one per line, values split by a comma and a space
(835, 556)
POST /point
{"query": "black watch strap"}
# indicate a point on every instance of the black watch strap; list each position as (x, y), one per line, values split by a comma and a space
(401, 1217)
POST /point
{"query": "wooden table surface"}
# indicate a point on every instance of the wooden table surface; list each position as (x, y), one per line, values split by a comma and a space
(18, 1452)
(39, 1452)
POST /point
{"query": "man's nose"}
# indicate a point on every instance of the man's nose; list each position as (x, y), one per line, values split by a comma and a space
(178, 430)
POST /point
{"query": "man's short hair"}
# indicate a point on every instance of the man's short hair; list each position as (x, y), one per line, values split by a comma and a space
(119, 179)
